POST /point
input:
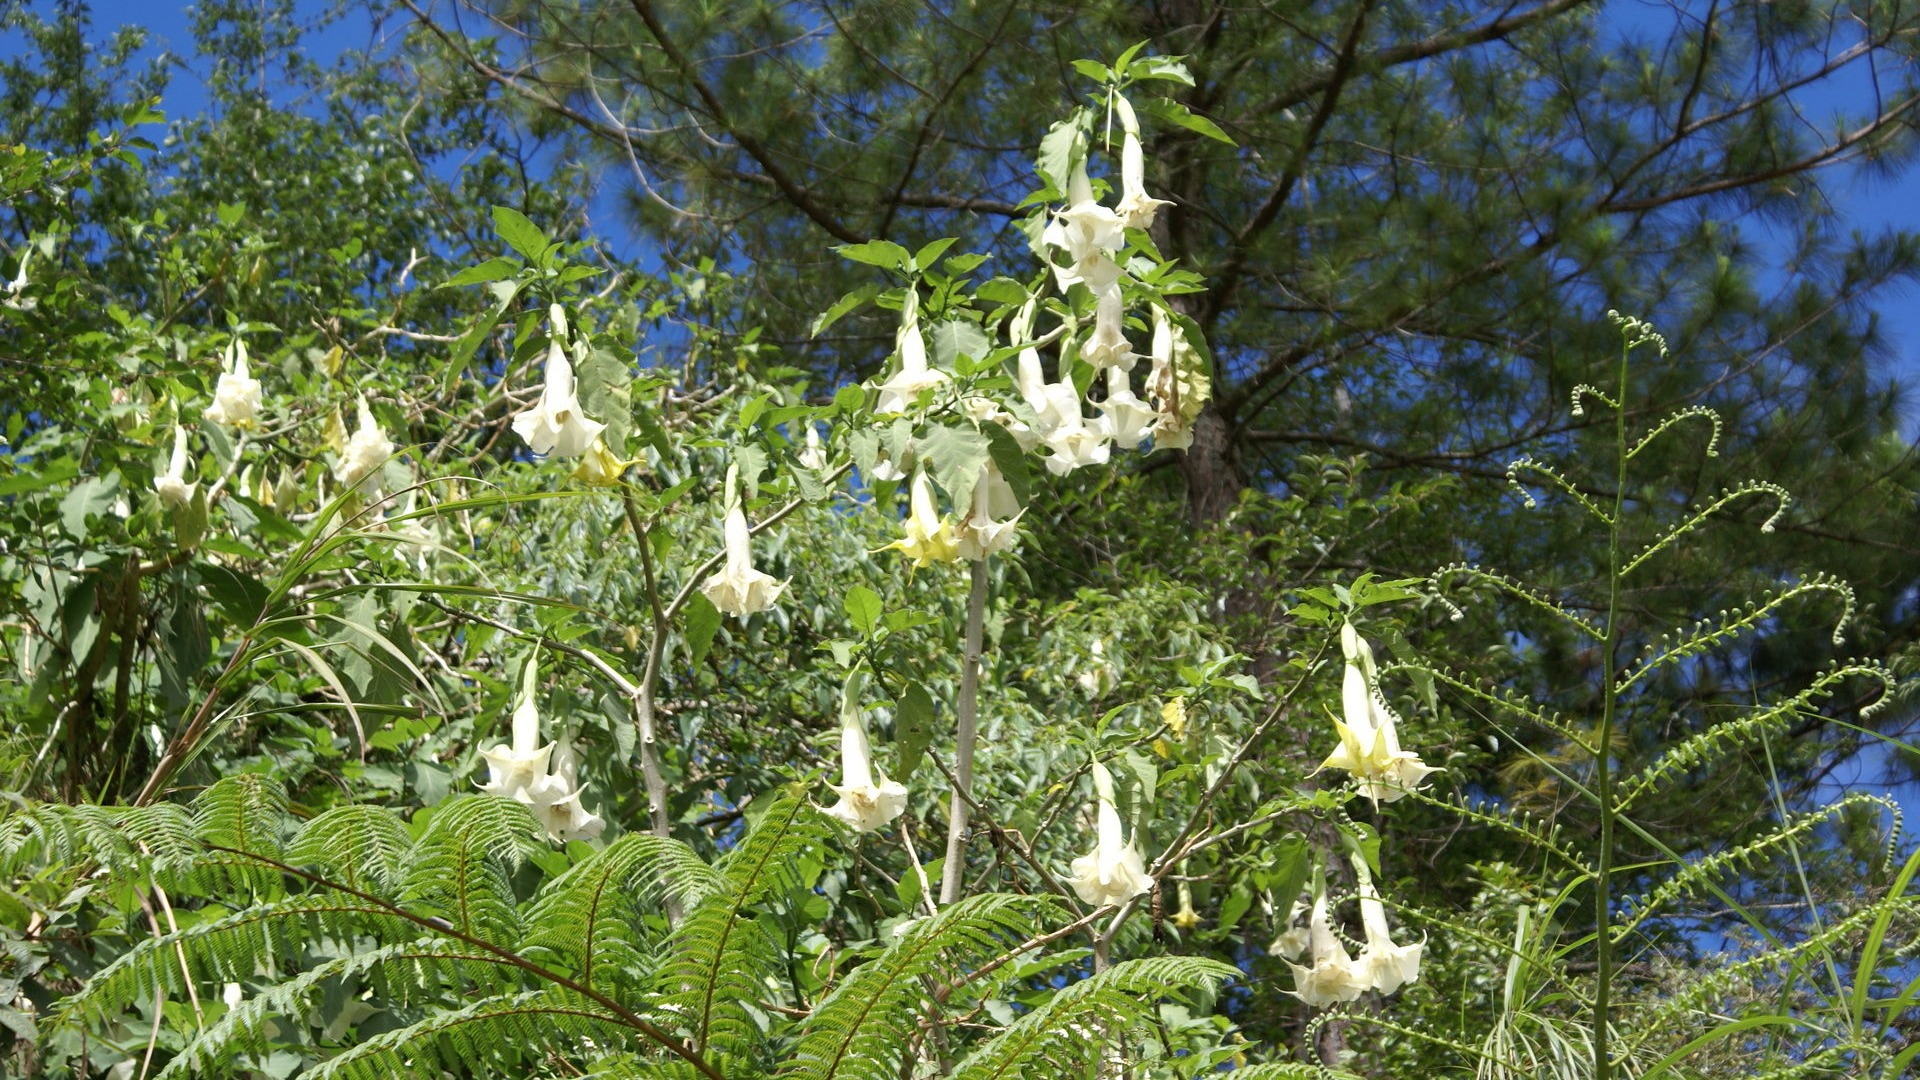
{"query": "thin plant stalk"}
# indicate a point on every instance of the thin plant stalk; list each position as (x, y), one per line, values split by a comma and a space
(1603, 746)
(643, 710)
(966, 711)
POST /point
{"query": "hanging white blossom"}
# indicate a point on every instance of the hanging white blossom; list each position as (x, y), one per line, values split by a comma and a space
(1112, 873)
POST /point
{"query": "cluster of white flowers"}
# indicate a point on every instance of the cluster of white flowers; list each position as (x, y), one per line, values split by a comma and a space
(1334, 975)
(1369, 737)
(534, 774)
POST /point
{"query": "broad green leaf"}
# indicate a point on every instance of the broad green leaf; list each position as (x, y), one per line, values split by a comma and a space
(956, 338)
(957, 455)
(912, 729)
(863, 606)
(520, 234)
(1180, 116)
(924, 259)
(497, 268)
(845, 305)
(703, 621)
(882, 253)
(1093, 69)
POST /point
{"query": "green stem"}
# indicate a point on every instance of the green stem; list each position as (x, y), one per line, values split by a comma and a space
(1603, 746)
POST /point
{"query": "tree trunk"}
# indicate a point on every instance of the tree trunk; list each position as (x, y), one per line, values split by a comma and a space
(1211, 467)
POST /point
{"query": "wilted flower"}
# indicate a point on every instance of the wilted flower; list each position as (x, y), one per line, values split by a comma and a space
(1386, 965)
(899, 393)
(1177, 385)
(236, 397)
(981, 535)
(929, 537)
(1369, 742)
(172, 484)
(739, 589)
(1123, 417)
(1186, 918)
(864, 804)
(1333, 976)
(1112, 873)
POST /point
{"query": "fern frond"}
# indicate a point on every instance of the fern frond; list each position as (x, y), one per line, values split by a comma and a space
(497, 1036)
(460, 869)
(363, 847)
(429, 967)
(1708, 633)
(1740, 733)
(246, 812)
(723, 950)
(587, 922)
(854, 1034)
(226, 949)
(1075, 1029)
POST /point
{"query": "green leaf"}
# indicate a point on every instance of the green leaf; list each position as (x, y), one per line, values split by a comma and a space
(605, 387)
(1180, 116)
(957, 456)
(497, 268)
(520, 234)
(1093, 69)
(504, 296)
(957, 338)
(849, 398)
(1289, 864)
(1168, 68)
(882, 253)
(843, 306)
(1010, 460)
(912, 729)
(46, 475)
(863, 606)
(924, 259)
(703, 622)
(1058, 150)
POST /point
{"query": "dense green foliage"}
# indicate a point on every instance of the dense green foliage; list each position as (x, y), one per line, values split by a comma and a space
(251, 692)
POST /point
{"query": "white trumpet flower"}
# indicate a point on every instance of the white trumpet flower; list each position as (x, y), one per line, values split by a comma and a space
(1386, 966)
(1137, 209)
(365, 453)
(1112, 873)
(915, 377)
(236, 397)
(1108, 347)
(980, 535)
(515, 769)
(1123, 417)
(868, 799)
(1333, 977)
(555, 425)
(172, 484)
(1369, 740)
(739, 589)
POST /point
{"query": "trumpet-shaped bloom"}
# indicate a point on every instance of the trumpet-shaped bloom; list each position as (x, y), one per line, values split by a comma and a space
(898, 393)
(1173, 430)
(1387, 966)
(1112, 873)
(598, 467)
(1293, 942)
(1333, 976)
(555, 425)
(1108, 346)
(1123, 417)
(1137, 209)
(236, 397)
(980, 535)
(519, 771)
(366, 451)
(1369, 741)
(172, 484)
(1186, 918)
(929, 535)
(1075, 445)
(739, 589)
(813, 453)
(868, 799)
(515, 769)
